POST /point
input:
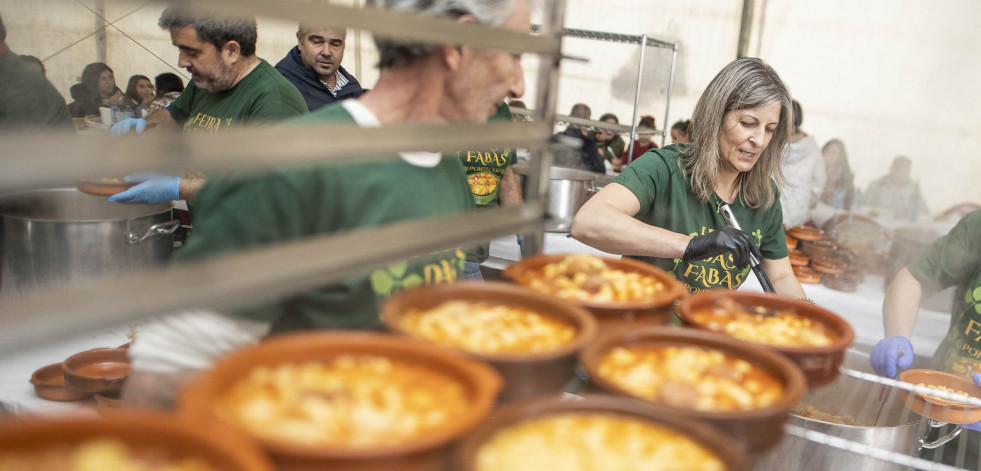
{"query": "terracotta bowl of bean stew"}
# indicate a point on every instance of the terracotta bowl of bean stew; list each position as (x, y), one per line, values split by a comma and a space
(812, 337)
(598, 433)
(530, 338)
(346, 400)
(621, 293)
(743, 390)
(134, 439)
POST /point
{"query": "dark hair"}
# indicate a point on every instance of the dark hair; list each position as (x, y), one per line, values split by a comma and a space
(34, 60)
(580, 110)
(212, 27)
(168, 82)
(647, 121)
(683, 127)
(607, 116)
(3, 31)
(798, 114)
(131, 90)
(517, 104)
(91, 74)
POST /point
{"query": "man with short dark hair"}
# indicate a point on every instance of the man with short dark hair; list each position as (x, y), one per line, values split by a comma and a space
(588, 156)
(314, 67)
(230, 86)
(27, 98)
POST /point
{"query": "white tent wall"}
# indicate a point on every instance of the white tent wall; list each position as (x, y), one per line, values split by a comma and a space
(887, 77)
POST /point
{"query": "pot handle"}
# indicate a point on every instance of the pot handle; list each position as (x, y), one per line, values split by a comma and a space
(164, 228)
(922, 443)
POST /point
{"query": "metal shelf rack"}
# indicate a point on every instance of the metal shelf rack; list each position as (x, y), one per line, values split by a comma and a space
(644, 42)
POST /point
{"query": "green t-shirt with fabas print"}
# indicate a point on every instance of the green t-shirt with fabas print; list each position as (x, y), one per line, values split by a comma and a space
(243, 212)
(262, 95)
(955, 260)
(485, 169)
(658, 181)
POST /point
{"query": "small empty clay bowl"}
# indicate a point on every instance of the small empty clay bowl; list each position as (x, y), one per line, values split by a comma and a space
(97, 370)
(49, 383)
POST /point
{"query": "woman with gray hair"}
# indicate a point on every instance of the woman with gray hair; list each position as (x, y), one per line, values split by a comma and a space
(664, 208)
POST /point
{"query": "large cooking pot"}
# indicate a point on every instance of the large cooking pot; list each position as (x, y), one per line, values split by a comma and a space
(879, 416)
(57, 236)
(568, 190)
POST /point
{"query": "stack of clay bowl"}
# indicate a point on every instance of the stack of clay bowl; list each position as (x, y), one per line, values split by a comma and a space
(799, 239)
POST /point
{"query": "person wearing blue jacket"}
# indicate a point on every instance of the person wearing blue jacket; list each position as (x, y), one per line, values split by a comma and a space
(314, 67)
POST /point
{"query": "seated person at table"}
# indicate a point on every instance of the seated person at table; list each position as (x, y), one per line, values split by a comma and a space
(839, 186)
(642, 144)
(314, 67)
(587, 157)
(27, 98)
(169, 87)
(610, 144)
(681, 132)
(896, 194)
(246, 212)
(139, 95)
(230, 86)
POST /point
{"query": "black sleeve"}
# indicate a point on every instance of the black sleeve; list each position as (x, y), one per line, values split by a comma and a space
(592, 157)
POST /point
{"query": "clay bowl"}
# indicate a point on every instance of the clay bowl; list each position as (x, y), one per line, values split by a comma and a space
(97, 370)
(525, 374)
(717, 442)
(754, 430)
(936, 408)
(799, 259)
(103, 187)
(49, 383)
(791, 242)
(806, 274)
(820, 248)
(820, 364)
(156, 435)
(628, 315)
(828, 265)
(426, 452)
(805, 233)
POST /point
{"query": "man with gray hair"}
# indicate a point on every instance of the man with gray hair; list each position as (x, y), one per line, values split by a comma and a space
(587, 157)
(416, 83)
(314, 67)
(230, 86)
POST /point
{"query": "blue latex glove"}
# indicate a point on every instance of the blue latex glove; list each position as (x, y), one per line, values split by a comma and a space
(886, 359)
(127, 125)
(152, 188)
(977, 425)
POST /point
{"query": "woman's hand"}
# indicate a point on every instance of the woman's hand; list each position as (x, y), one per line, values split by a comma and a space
(720, 241)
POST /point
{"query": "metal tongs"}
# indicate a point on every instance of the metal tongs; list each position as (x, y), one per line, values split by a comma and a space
(754, 262)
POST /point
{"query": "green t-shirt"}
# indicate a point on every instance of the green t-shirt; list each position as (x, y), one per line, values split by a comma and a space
(262, 95)
(241, 212)
(27, 98)
(666, 200)
(955, 260)
(485, 169)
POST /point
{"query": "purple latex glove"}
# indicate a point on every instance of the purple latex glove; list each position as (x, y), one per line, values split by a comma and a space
(152, 188)
(977, 425)
(126, 125)
(886, 358)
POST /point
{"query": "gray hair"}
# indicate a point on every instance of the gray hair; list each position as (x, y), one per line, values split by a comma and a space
(742, 84)
(215, 28)
(304, 29)
(396, 53)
